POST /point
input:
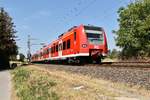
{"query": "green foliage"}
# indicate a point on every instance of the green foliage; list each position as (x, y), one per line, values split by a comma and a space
(30, 87)
(21, 75)
(133, 35)
(7, 34)
(22, 57)
(113, 54)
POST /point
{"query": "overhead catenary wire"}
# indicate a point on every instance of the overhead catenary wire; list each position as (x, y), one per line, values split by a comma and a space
(75, 12)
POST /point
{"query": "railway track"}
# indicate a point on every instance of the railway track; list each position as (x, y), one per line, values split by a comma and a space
(123, 64)
(134, 73)
(145, 65)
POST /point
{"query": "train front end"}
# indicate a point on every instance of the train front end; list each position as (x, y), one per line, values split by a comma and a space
(96, 41)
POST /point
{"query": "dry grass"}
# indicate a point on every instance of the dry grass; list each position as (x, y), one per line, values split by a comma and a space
(92, 89)
(67, 84)
(79, 87)
(13, 94)
(109, 60)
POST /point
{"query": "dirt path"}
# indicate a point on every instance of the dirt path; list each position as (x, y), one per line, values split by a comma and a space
(5, 85)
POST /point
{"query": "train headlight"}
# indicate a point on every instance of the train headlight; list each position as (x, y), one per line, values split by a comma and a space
(84, 45)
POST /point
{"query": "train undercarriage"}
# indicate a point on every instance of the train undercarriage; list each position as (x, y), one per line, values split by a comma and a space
(95, 56)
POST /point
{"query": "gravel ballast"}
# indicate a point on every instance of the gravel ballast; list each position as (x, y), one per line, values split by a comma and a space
(133, 76)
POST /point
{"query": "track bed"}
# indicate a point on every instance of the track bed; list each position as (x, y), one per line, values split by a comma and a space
(132, 75)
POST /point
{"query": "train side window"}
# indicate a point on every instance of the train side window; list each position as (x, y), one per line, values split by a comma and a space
(75, 36)
(64, 45)
(68, 44)
(49, 50)
(52, 49)
(41, 54)
(56, 48)
(44, 52)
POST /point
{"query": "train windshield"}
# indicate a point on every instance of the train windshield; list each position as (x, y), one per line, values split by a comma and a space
(95, 35)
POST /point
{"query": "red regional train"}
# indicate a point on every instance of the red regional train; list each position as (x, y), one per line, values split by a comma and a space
(80, 44)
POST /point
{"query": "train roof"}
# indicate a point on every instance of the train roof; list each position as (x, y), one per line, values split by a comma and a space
(90, 27)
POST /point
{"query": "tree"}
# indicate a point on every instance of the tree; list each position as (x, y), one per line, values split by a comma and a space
(8, 45)
(133, 35)
(22, 57)
(113, 54)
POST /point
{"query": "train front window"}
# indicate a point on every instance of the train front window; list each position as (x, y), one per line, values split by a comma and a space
(94, 34)
(94, 37)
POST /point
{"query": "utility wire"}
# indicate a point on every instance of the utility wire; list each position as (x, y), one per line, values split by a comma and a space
(75, 12)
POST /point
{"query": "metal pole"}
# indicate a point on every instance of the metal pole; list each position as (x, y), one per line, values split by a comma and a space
(29, 49)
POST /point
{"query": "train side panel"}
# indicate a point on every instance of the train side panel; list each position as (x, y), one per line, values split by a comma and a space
(80, 41)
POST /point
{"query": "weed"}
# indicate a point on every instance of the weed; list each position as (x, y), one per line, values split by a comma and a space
(30, 87)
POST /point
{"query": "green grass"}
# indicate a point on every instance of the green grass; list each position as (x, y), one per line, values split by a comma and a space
(31, 86)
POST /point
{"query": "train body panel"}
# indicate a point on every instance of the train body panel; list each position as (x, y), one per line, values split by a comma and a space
(78, 42)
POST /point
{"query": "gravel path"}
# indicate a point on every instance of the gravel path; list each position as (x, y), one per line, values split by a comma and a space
(5, 85)
(133, 76)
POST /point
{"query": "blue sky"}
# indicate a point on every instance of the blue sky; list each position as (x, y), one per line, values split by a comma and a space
(44, 20)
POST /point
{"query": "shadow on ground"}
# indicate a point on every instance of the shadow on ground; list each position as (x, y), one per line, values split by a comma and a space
(4, 61)
(4, 65)
(4, 68)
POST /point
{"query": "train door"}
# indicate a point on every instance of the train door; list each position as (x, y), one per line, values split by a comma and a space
(49, 52)
(60, 48)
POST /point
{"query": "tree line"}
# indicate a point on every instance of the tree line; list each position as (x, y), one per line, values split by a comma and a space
(8, 47)
(133, 35)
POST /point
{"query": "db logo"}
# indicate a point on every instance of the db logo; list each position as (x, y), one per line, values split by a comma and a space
(84, 45)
